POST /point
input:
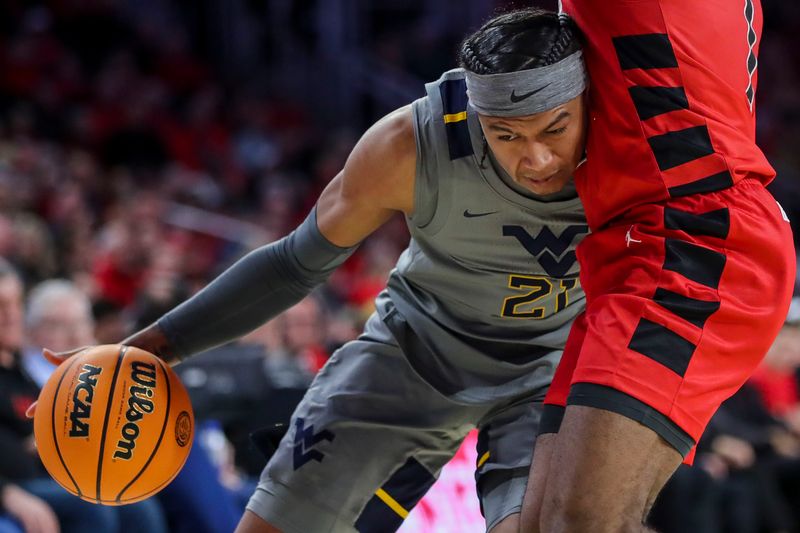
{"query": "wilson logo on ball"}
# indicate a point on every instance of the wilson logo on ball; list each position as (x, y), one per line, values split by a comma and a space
(82, 401)
(139, 404)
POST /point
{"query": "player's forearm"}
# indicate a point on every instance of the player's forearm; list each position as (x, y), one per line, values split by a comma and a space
(257, 288)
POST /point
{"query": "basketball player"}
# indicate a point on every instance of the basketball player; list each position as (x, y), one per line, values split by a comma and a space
(689, 268)
(474, 317)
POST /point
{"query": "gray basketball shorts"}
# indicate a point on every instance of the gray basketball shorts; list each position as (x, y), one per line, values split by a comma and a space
(370, 437)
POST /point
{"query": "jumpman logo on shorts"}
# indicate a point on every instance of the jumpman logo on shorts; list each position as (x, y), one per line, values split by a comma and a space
(629, 239)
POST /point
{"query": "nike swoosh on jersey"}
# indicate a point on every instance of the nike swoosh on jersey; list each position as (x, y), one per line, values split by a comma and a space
(473, 215)
(518, 98)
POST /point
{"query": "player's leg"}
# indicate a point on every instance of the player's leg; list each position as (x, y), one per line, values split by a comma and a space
(537, 481)
(675, 326)
(552, 415)
(252, 523)
(363, 446)
(506, 438)
(598, 448)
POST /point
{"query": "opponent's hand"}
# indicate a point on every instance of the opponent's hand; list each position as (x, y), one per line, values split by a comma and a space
(56, 358)
(35, 515)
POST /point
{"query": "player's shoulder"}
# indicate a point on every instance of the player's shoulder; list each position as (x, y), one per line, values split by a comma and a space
(391, 139)
(382, 166)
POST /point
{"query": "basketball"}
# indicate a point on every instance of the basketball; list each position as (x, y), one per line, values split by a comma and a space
(113, 424)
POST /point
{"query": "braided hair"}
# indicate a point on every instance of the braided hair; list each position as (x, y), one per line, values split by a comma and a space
(519, 40)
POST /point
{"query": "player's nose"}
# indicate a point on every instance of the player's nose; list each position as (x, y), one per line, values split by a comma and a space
(538, 158)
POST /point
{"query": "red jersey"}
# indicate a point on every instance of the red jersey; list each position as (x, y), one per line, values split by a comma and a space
(671, 100)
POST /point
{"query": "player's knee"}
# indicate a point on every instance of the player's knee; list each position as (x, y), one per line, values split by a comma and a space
(576, 514)
(530, 518)
(561, 512)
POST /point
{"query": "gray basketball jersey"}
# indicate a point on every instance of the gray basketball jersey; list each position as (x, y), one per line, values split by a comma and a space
(483, 298)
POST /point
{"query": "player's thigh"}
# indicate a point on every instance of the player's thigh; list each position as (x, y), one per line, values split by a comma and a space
(604, 471)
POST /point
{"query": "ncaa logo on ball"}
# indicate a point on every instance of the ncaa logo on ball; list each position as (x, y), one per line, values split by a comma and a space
(82, 401)
(183, 429)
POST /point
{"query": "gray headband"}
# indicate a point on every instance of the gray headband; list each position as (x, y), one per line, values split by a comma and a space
(525, 92)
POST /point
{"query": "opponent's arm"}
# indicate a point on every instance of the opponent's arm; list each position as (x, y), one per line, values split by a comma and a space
(376, 182)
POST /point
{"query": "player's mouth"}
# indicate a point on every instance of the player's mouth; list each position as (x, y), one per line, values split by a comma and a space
(538, 182)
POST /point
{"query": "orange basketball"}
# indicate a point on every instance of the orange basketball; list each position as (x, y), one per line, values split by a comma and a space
(114, 424)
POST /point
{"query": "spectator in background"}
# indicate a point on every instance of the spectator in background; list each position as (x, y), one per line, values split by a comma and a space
(58, 315)
(110, 322)
(747, 474)
(33, 492)
(777, 378)
(302, 347)
(22, 512)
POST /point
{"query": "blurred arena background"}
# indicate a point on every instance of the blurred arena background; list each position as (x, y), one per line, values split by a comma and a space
(145, 145)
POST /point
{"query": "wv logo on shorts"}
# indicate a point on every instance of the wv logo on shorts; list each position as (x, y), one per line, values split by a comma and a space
(548, 248)
(304, 441)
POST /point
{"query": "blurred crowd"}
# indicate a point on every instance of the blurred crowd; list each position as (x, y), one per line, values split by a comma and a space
(746, 473)
(137, 162)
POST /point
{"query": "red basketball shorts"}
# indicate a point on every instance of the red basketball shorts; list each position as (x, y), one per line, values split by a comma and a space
(683, 299)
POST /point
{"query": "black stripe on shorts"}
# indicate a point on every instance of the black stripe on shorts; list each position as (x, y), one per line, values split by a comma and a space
(662, 345)
(713, 223)
(406, 487)
(715, 182)
(608, 399)
(694, 262)
(689, 309)
(552, 415)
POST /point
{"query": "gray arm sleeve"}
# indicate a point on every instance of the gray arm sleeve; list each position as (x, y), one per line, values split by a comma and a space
(255, 289)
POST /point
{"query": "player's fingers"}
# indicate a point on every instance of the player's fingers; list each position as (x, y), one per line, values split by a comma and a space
(59, 357)
(31, 411)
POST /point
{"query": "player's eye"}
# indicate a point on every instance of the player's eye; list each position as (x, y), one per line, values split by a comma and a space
(557, 131)
(507, 137)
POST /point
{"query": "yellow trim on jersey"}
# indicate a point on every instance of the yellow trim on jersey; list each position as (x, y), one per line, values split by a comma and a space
(455, 117)
(392, 503)
(483, 459)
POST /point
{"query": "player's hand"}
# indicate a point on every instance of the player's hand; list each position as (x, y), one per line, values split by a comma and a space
(56, 358)
(153, 339)
(35, 515)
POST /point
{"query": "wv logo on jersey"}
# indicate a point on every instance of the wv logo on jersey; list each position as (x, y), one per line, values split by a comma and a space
(548, 248)
(304, 441)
